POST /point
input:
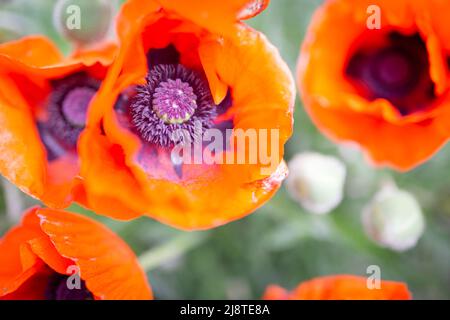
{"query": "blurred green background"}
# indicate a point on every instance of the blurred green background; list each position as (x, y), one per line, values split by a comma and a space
(280, 243)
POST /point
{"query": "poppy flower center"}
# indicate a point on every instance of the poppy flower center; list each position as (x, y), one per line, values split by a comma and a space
(75, 105)
(394, 69)
(58, 289)
(67, 111)
(174, 98)
(174, 101)
(398, 72)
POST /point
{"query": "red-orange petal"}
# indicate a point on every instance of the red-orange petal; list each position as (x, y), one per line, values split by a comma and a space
(341, 287)
(215, 15)
(61, 239)
(35, 51)
(253, 8)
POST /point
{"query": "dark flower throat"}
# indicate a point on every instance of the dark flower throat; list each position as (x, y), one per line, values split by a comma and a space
(58, 289)
(398, 72)
(67, 109)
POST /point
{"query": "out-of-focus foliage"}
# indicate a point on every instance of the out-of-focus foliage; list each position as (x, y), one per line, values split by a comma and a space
(281, 243)
(32, 17)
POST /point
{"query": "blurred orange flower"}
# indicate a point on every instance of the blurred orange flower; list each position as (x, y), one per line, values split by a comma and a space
(44, 100)
(183, 63)
(377, 73)
(44, 255)
(340, 287)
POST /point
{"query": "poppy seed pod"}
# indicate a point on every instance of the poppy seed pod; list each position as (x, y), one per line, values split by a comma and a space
(83, 21)
(394, 219)
(316, 181)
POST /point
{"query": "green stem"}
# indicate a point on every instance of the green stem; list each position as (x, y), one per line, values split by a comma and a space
(172, 249)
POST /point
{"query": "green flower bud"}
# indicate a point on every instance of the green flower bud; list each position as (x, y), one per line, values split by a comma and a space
(394, 219)
(316, 181)
(84, 21)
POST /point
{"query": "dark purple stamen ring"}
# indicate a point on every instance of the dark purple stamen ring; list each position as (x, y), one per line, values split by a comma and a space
(175, 98)
(68, 106)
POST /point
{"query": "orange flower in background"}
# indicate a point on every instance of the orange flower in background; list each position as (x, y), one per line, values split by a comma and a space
(385, 88)
(57, 255)
(187, 66)
(340, 287)
(44, 102)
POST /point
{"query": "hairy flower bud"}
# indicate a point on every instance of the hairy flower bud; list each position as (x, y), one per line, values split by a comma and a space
(394, 219)
(83, 21)
(316, 181)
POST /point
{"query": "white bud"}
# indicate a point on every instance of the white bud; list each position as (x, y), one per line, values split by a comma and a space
(316, 181)
(394, 219)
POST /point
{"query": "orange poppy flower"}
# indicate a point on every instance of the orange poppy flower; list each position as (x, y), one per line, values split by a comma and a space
(191, 67)
(340, 287)
(44, 100)
(377, 73)
(57, 255)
